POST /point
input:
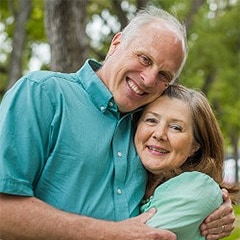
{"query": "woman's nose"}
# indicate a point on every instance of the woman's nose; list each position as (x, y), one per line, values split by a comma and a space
(160, 134)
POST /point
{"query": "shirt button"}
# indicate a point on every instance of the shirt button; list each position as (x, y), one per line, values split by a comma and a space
(119, 154)
(102, 108)
(110, 104)
(119, 191)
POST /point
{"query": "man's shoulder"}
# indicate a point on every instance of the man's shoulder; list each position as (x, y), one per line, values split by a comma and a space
(43, 76)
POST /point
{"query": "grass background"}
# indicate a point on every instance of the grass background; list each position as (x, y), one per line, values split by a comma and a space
(236, 232)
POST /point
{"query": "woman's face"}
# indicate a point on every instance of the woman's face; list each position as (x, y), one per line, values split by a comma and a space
(164, 137)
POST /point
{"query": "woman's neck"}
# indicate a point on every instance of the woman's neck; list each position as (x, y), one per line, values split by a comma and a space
(155, 180)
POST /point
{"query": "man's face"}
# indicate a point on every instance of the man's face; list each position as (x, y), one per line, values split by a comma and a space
(137, 71)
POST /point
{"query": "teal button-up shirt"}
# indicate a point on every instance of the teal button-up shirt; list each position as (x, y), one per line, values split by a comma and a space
(63, 141)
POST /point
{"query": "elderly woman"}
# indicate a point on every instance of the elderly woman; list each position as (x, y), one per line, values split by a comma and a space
(180, 144)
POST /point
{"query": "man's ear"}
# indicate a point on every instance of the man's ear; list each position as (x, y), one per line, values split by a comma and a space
(115, 43)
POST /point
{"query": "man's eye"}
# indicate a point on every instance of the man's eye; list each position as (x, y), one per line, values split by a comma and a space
(165, 77)
(144, 60)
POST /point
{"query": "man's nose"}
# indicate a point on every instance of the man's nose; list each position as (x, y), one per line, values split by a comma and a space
(149, 77)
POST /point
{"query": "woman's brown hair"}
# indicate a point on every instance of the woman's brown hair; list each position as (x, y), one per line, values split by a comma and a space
(210, 155)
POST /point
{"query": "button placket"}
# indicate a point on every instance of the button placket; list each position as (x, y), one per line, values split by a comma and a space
(120, 148)
(119, 191)
(102, 108)
(119, 154)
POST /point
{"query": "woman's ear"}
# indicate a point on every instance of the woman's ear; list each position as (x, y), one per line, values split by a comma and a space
(195, 148)
(115, 43)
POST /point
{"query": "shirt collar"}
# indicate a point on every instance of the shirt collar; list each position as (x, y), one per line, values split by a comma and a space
(98, 92)
(93, 85)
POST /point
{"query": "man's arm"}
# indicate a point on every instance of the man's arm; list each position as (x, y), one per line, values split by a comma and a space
(220, 223)
(30, 218)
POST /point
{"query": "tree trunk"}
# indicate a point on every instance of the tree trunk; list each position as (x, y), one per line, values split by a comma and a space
(234, 143)
(18, 42)
(121, 14)
(196, 5)
(65, 23)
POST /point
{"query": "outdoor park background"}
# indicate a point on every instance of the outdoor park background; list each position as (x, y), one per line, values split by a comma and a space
(60, 35)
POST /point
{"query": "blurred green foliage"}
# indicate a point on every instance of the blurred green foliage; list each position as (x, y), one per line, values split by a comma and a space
(212, 66)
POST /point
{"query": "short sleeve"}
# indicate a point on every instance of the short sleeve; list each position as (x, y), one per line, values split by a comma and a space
(183, 203)
(25, 122)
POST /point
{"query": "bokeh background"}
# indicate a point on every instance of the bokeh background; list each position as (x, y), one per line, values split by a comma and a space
(60, 35)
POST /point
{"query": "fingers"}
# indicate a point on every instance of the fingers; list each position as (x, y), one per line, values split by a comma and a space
(215, 233)
(220, 223)
(224, 229)
(216, 225)
(219, 228)
(220, 220)
(167, 235)
(158, 234)
(144, 217)
(225, 194)
(224, 213)
(134, 228)
(222, 232)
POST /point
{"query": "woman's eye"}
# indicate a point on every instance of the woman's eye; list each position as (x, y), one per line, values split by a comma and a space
(176, 128)
(144, 60)
(150, 120)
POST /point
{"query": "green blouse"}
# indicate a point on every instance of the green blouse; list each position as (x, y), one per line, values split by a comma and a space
(182, 204)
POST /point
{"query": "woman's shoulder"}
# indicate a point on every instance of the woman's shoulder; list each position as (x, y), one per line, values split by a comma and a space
(191, 186)
(193, 179)
(183, 202)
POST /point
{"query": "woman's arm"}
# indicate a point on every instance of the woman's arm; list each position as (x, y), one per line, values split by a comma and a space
(183, 203)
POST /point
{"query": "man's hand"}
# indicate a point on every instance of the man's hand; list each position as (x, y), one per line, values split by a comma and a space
(137, 229)
(221, 222)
